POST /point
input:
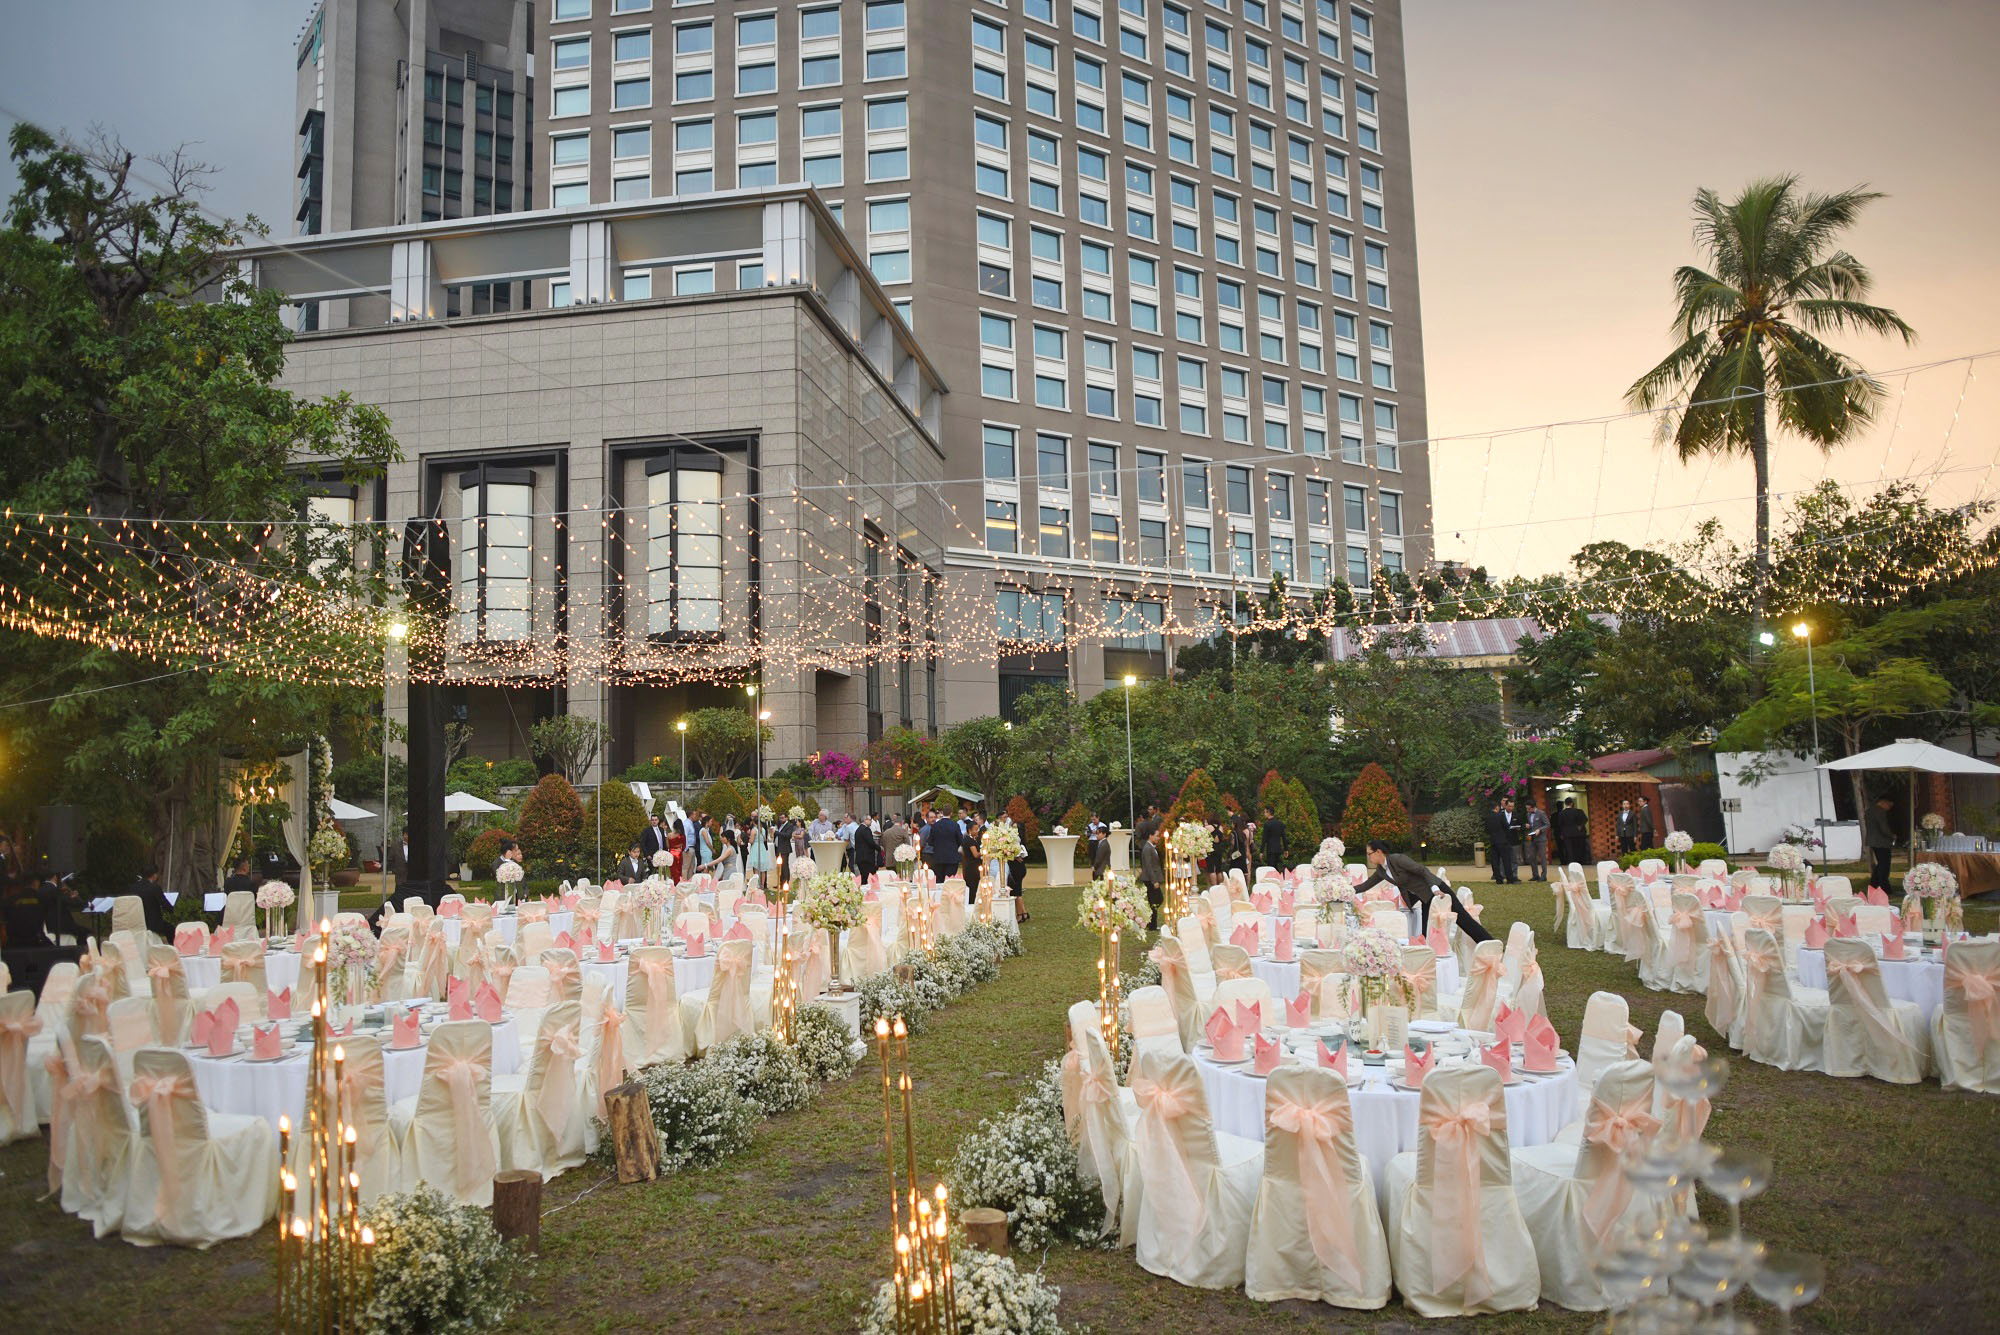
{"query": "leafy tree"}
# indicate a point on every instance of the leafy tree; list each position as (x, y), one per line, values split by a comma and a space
(551, 830)
(1302, 828)
(1547, 689)
(514, 772)
(1750, 325)
(624, 820)
(1199, 799)
(1506, 770)
(723, 798)
(1076, 818)
(128, 396)
(483, 853)
(1024, 819)
(1374, 810)
(905, 758)
(1453, 831)
(471, 774)
(1401, 707)
(568, 744)
(719, 741)
(978, 748)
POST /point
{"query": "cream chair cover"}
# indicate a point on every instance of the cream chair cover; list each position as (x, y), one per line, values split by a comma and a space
(533, 937)
(1155, 1028)
(1315, 1234)
(654, 1029)
(196, 1178)
(97, 1144)
(1835, 886)
(1231, 992)
(1201, 966)
(243, 962)
(1457, 1240)
(18, 1023)
(1575, 1199)
(378, 1143)
(1481, 996)
(418, 909)
(1796, 917)
(1874, 919)
(1420, 982)
(239, 910)
(1315, 966)
(1655, 957)
(392, 965)
(131, 1026)
(1965, 1032)
(1393, 921)
(53, 1010)
(539, 1115)
(864, 953)
(722, 1010)
(1097, 1114)
(1608, 1038)
(166, 979)
(448, 1137)
(1230, 962)
(565, 975)
(813, 949)
(433, 966)
(1724, 1004)
(1782, 1027)
(1529, 999)
(129, 950)
(1589, 921)
(1195, 1188)
(1687, 945)
(107, 965)
(128, 915)
(1684, 1118)
(1765, 913)
(1866, 1032)
(1179, 985)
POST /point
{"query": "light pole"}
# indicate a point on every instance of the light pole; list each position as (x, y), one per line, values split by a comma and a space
(760, 755)
(681, 727)
(1804, 632)
(1131, 803)
(399, 630)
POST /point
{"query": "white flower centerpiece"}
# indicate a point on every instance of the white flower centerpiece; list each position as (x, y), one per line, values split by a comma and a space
(1933, 826)
(1001, 842)
(663, 859)
(1788, 860)
(833, 900)
(1680, 843)
(906, 854)
(1111, 902)
(351, 950)
(1935, 882)
(762, 813)
(651, 897)
(509, 874)
(274, 897)
(1191, 841)
(1329, 873)
(795, 813)
(1375, 957)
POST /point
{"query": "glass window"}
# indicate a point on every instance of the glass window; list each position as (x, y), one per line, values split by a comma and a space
(693, 39)
(1052, 460)
(1200, 556)
(1152, 477)
(632, 187)
(1055, 533)
(890, 62)
(694, 136)
(1236, 489)
(1104, 538)
(1152, 542)
(758, 78)
(989, 36)
(632, 142)
(1001, 464)
(571, 53)
(819, 71)
(995, 231)
(639, 92)
(567, 149)
(1103, 470)
(1391, 508)
(761, 128)
(684, 574)
(890, 266)
(1243, 552)
(819, 122)
(1194, 486)
(632, 45)
(569, 196)
(889, 113)
(694, 281)
(1002, 525)
(571, 101)
(884, 15)
(1051, 392)
(1354, 508)
(572, 9)
(1281, 496)
(757, 30)
(819, 23)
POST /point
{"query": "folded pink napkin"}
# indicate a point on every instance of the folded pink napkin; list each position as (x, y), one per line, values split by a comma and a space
(1262, 899)
(486, 1004)
(265, 1042)
(563, 941)
(1816, 934)
(1712, 897)
(551, 902)
(459, 998)
(1266, 1057)
(222, 1032)
(572, 898)
(1416, 1065)
(1845, 926)
(1245, 936)
(586, 937)
(1416, 939)
(404, 1030)
(756, 897)
(1501, 1058)
(870, 897)
(218, 940)
(1333, 1059)
(1298, 1011)
(874, 880)
(1288, 903)
(199, 1031)
(1223, 1035)
(606, 952)
(340, 1030)
(301, 942)
(1734, 899)
(1892, 947)
(1541, 1046)
(1281, 940)
(278, 1005)
(614, 884)
(1438, 938)
(697, 944)
(738, 931)
(451, 908)
(1876, 895)
(1509, 1025)
(187, 938)
(1249, 1017)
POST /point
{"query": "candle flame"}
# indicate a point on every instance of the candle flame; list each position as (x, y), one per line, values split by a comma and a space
(367, 1236)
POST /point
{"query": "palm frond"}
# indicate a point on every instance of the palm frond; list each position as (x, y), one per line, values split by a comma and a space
(1828, 316)
(1838, 275)
(1816, 220)
(1675, 373)
(1821, 394)
(1702, 300)
(1722, 399)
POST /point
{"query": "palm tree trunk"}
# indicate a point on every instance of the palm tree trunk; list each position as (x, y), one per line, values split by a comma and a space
(1760, 461)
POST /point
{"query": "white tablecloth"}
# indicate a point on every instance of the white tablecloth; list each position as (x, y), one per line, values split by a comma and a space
(1385, 1118)
(1283, 978)
(1920, 981)
(690, 975)
(268, 1089)
(281, 970)
(507, 926)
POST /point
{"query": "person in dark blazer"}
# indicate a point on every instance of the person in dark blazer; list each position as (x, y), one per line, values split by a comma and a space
(1646, 824)
(867, 851)
(1417, 884)
(943, 841)
(1573, 832)
(154, 900)
(1273, 836)
(1151, 877)
(1500, 844)
(634, 865)
(239, 877)
(1100, 859)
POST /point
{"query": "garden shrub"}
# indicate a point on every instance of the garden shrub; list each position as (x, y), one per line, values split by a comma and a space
(723, 798)
(624, 819)
(1453, 832)
(1374, 811)
(551, 828)
(1694, 857)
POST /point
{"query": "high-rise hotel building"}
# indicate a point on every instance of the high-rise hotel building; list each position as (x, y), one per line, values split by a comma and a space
(1161, 254)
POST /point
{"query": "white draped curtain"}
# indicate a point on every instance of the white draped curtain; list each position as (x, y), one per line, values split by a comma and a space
(228, 818)
(295, 790)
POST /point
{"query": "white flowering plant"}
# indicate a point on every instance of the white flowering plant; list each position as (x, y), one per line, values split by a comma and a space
(509, 872)
(762, 812)
(1112, 902)
(1191, 841)
(663, 859)
(1374, 954)
(1930, 880)
(275, 895)
(1933, 822)
(994, 1297)
(1333, 847)
(906, 854)
(1678, 842)
(700, 1116)
(833, 900)
(822, 1043)
(328, 848)
(1023, 1162)
(1001, 841)
(765, 1071)
(439, 1267)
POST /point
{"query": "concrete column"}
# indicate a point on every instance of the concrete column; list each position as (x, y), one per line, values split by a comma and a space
(415, 292)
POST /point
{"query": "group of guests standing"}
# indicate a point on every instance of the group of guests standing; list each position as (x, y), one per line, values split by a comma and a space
(1237, 843)
(1521, 834)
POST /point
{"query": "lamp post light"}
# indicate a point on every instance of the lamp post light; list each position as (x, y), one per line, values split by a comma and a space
(1131, 803)
(399, 631)
(761, 719)
(681, 727)
(1804, 632)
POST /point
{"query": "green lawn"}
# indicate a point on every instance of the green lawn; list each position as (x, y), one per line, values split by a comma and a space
(1895, 1186)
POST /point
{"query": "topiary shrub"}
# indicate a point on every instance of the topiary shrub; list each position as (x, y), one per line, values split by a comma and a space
(1302, 827)
(518, 772)
(1077, 818)
(1024, 820)
(624, 819)
(1199, 800)
(1453, 832)
(1374, 811)
(551, 829)
(484, 851)
(723, 798)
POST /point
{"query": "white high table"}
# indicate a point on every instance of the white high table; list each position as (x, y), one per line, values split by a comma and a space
(1061, 851)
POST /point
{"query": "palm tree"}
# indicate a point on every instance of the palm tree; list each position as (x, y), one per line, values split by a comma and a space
(1750, 326)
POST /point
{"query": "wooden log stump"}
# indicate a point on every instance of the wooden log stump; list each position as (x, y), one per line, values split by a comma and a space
(517, 1207)
(634, 1143)
(985, 1228)
(906, 973)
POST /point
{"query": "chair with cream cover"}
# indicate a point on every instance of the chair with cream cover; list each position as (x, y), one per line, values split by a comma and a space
(1866, 1032)
(1457, 1241)
(565, 975)
(1232, 992)
(197, 1178)
(539, 1114)
(1782, 1026)
(1608, 1038)
(1315, 1234)
(864, 953)
(1575, 1198)
(1230, 962)
(1097, 1113)
(392, 961)
(128, 914)
(18, 1023)
(1155, 1027)
(533, 939)
(1190, 1190)
(1396, 922)
(1684, 1118)
(419, 909)
(239, 910)
(378, 1146)
(1687, 945)
(91, 1146)
(723, 1009)
(129, 950)
(1874, 919)
(433, 967)
(130, 1026)
(1724, 1004)
(1194, 949)
(447, 1127)
(1796, 918)
(1481, 996)
(1965, 1032)
(1179, 985)
(1589, 921)
(44, 1043)
(1315, 966)
(1420, 982)
(243, 962)
(1528, 997)
(1835, 886)
(654, 1029)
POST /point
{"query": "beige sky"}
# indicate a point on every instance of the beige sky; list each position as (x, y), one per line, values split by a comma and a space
(1558, 145)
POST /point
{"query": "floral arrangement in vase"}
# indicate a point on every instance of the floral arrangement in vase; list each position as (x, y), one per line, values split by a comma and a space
(1329, 873)
(1930, 880)
(1933, 826)
(509, 874)
(833, 900)
(650, 897)
(350, 961)
(1788, 860)
(1112, 902)
(906, 854)
(274, 897)
(795, 813)
(762, 813)
(663, 859)
(1375, 957)
(1191, 841)
(1001, 842)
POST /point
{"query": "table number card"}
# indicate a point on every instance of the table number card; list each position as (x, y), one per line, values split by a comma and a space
(1395, 1031)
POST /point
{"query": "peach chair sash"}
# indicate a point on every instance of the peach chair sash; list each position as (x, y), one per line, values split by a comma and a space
(656, 968)
(156, 1094)
(1169, 1093)
(1230, 961)
(461, 1074)
(1482, 988)
(70, 1083)
(1419, 971)
(729, 991)
(610, 1053)
(1722, 999)
(1685, 919)
(814, 970)
(1980, 987)
(1618, 1124)
(17, 1022)
(1853, 974)
(1461, 1118)
(556, 1103)
(1090, 1097)
(565, 976)
(1319, 1118)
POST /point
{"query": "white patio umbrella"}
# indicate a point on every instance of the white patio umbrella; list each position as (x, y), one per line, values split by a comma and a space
(462, 801)
(1910, 756)
(340, 810)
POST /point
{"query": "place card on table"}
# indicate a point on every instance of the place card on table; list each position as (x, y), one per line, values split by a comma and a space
(1395, 1026)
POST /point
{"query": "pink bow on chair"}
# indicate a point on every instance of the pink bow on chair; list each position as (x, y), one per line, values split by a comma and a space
(156, 1094)
(1319, 1126)
(1181, 1211)
(14, 1035)
(557, 1101)
(474, 1151)
(1982, 999)
(610, 1054)
(1619, 1131)
(662, 1005)
(1456, 1135)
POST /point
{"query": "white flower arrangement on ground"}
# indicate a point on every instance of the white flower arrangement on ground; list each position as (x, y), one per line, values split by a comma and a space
(1930, 880)
(795, 813)
(1112, 902)
(995, 1297)
(1191, 841)
(700, 1116)
(833, 900)
(765, 1071)
(1681, 842)
(1001, 841)
(1373, 954)
(439, 1267)
(971, 956)
(1782, 857)
(275, 895)
(1023, 1162)
(509, 872)
(663, 859)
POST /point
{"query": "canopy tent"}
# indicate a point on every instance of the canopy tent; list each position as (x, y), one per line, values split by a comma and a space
(340, 810)
(1909, 756)
(462, 801)
(930, 794)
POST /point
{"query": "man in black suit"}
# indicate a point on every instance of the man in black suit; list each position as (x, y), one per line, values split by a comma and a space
(653, 839)
(1628, 828)
(867, 851)
(633, 866)
(154, 900)
(1273, 847)
(239, 878)
(1500, 844)
(1417, 884)
(1573, 830)
(942, 844)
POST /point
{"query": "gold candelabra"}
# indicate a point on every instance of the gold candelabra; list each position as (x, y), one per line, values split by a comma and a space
(920, 1225)
(325, 1253)
(922, 919)
(1107, 983)
(785, 982)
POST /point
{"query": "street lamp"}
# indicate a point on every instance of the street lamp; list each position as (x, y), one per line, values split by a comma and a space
(1131, 804)
(681, 727)
(1766, 638)
(399, 631)
(1804, 632)
(760, 755)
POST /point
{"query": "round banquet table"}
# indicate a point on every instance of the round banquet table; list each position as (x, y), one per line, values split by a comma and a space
(281, 970)
(1385, 1117)
(690, 975)
(507, 926)
(1282, 976)
(1920, 981)
(237, 1085)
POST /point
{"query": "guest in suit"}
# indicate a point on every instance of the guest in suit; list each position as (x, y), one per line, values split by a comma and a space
(1100, 859)
(154, 900)
(1273, 839)
(241, 879)
(633, 866)
(653, 839)
(1645, 824)
(1417, 884)
(1573, 832)
(867, 851)
(943, 841)
(1628, 828)
(1500, 844)
(1017, 882)
(1151, 877)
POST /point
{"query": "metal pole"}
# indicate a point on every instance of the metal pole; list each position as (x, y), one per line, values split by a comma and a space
(1131, 803)
(1819, 786)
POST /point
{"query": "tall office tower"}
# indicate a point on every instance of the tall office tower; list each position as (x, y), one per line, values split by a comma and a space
(1161, 251)
(410, 112)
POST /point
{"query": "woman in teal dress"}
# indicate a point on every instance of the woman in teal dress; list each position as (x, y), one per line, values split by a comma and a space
(759, 855)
